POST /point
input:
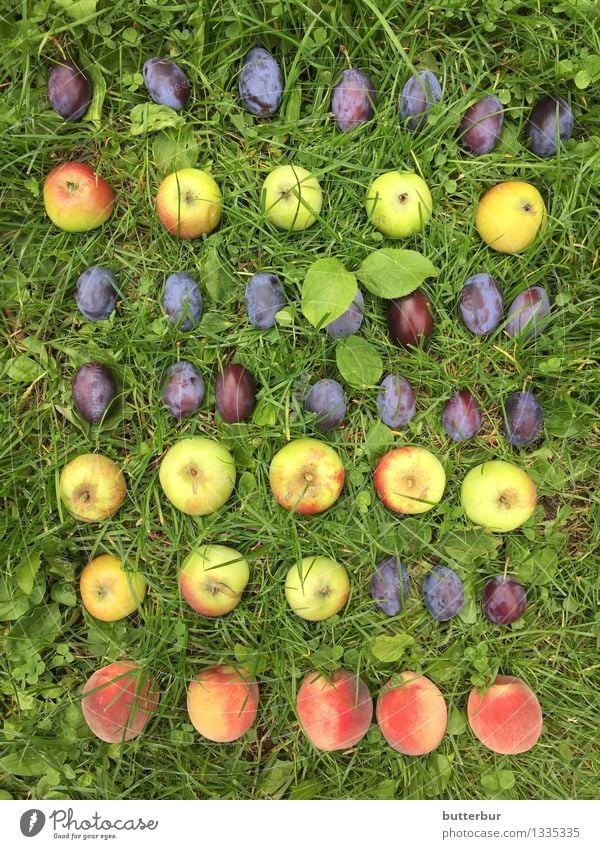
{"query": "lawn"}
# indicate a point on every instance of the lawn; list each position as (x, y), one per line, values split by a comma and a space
(50, 645)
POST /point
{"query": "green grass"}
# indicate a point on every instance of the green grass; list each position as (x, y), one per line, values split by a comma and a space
(50, 646)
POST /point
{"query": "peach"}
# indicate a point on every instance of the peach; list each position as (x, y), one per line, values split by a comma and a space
(222, 703)
(335, 713)
(412, 715)
(118, 700)
(507, 717)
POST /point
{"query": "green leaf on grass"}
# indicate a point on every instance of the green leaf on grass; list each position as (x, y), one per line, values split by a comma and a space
(379, 439)
(327, 292)
(358, 361)
(24, 369)
(27, 570)
(175, 148)
(28, 762)
(196, 24)
(152, 117)
(216, 280)
(391, 649)
(394, 272)
(77, 9)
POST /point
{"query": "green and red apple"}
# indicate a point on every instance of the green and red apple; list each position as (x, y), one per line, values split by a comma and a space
(510, 215)
(197, 475)
(108, 591)
(409, 479)
(306, 476)
(398, 203)
(317, 588)
(76, 198)
(189, 203)
(291, 198)
(91, 487)
(213, 578)
(498, 495)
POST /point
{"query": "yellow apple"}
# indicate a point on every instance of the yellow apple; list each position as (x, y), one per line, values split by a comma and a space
(109, 592)
(92, 487)
(498, 495)
(317, 588)
(306, 476)
(213, 579)
(398, 203)
(409, 479)
(509, 216)
(197, 475)
(291, 198)
(189, 203)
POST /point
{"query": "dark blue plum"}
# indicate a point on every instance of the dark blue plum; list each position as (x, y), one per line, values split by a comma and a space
(481, 303)
(95, 293)
(353, 100)
(523, 418)
(551, 117)
(182, 300)
(93, 389)
(395, 401)
(348, 322)
(326, 399)
(443, 593)
(261, 83)
(69, 90)
(183, 389)
(481, 125)
(529, 313)
(390, 585)
(419, 94)
(166, 82)
(461, 417)
(264, 298)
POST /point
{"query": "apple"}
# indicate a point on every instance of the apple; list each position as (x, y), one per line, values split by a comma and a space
(76, 199)
(291, 198)
(197, 475)
(409, 479)
(213, 579)
(317, 588)
(91, 487)
(306, 476)
(498, 495)
(509, 216)
(118, 700)
(222, 703)
(189, 203)
(109, 592)
(398, 203)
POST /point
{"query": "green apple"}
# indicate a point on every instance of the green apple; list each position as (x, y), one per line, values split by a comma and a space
(91, 487)
(409, 479)
(398, 203)
(291, 198)
(510, 215)
(189, 203)
(197, 475)
(213, 579)
(306, 476)
(498, 495)
(317, 588)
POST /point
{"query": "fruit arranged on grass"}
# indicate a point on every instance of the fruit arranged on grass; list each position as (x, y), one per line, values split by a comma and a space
(551, 119)
(326, 399)
(69, 90)
(182, 389)
(390, 585)
(95, 293)
(349, 322)
(419, 94)
(189, 203)
(291, 198)
(353, 100)
(197, 475)
(481, 125)
(443, 593)
(461, 417)
(264, 298)
(335, 711)
(91, 487)
(498, 495)
(108, 591)
(213, 578)
(119, 700)
(235, 393)
(261, 83)
(409, 479)
(93, 388)
(506, 717)
(529, 313)
(166, 83)
(317, 588)
(222, 703)
(504, 599)
(523, 418)
(182, 300)
(409, 319)
(398, 203)
(481, 303)
(411, 713)
(509, 216)
(77, 199)
(395, 401)
(306, 476)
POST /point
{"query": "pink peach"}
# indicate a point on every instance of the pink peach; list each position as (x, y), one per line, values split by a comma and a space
(412, 715)
(222, 703)
(335, 712)
(507, 717)
(118, 700)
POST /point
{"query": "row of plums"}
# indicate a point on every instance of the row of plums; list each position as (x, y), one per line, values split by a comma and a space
(353, 100)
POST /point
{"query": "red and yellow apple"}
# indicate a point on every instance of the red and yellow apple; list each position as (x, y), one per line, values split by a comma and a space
(335, 712)
(398, 203)
(317, 588)
(213, 578)
(510, 215)
(412, 714)
(189, 203)
(91, 487)
(222, 703)
(409, 479)
(507, 717)
(291, 198)
(76, 199)
(118, 701)
(306, 476)
(498, 495)
(197, 475)
(108, 591)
